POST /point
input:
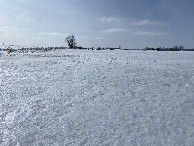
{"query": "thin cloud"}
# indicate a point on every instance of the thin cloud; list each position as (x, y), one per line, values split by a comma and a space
(11, 30)
(52, 34)
(85, 37)
(111, 19)
(112, 30)
(150, 33)
(82, 37)
(145, 22)
(99, 38)
(24, 17)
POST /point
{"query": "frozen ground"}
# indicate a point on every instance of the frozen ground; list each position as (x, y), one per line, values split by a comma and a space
(90, 98)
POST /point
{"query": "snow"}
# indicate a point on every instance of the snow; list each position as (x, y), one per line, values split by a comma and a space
(88, 97)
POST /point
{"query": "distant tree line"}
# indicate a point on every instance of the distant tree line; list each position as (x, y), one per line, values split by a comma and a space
(175, 48)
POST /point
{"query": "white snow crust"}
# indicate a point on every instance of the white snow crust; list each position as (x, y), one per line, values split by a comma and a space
(97, 98)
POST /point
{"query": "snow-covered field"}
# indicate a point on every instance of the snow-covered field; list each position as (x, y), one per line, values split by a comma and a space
(90, 98)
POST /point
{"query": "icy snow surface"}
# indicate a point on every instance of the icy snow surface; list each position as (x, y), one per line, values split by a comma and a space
(90, 98)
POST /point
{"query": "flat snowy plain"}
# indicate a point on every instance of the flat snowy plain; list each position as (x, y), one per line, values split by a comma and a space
(97, 98)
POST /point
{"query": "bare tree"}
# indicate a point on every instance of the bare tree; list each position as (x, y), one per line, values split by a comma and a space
(70, 40)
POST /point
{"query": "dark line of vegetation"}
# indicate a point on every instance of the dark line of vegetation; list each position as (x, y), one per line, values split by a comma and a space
(175, 48)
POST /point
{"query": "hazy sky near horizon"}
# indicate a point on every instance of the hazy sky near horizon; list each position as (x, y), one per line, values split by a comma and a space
(104, 23)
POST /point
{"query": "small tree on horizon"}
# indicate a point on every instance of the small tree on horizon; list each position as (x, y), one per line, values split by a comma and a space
(178, 48)
(70, 40)
(181, 48)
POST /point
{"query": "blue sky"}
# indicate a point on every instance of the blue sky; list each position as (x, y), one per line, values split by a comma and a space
(104, 23)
